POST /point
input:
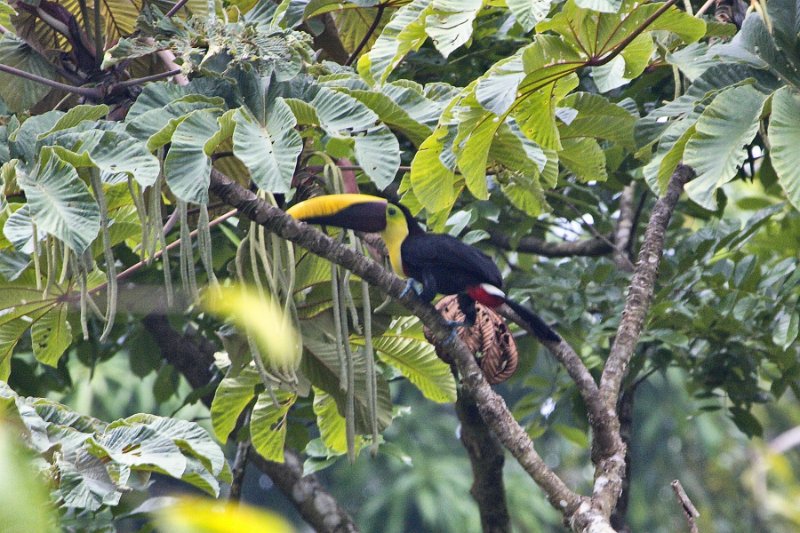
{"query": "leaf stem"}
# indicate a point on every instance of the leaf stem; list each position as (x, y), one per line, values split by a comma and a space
(599, 61)
(367, 36)
(89, 92)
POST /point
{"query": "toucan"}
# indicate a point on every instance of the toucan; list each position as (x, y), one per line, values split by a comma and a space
(441, 263)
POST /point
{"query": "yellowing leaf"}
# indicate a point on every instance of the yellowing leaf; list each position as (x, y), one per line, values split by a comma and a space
(198, 515)
(258, 315)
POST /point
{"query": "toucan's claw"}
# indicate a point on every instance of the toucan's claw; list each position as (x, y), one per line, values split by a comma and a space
(411, 284)
(453, 332)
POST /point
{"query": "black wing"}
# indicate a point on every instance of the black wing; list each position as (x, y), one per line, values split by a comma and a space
(448, 263)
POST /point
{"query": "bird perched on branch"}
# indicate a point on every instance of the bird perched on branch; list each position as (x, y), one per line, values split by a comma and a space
(441, 263)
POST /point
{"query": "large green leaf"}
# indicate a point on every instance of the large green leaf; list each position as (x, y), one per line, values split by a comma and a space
(51, 335)
(189, 437)
(405, 348)
(716, 150)
(76, 115)
(392, 114)
(340, 113)
(449, 25)
(476, 133)
(10, 333)
(140, 447)
(268, 424)
(60, 202)
(115, 153)
(529, 12)
(431, 180)
(378, 153)
(784, 140)
(597, 118)
(585, 159)
(187, 166)
(332, 425)
(156, 125)
(535, 114)
(18, 229)
(404, 33)
(230, 399)
(19, 93)
(496, 90)
(321, 365)
(270, 152)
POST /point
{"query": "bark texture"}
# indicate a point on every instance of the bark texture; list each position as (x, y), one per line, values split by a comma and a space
(487, 458)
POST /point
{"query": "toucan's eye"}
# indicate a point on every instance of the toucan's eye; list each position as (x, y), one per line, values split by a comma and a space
(392, 211)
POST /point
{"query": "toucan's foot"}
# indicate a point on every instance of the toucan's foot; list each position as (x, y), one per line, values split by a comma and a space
(453, 331)
(454, 325)
(411, 284)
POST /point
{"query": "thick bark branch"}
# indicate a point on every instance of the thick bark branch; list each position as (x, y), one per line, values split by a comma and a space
(531, 245)
(491, 406)
(587, 387)
(487, 457)
(623, 233)
(193, 356)
(610, 460)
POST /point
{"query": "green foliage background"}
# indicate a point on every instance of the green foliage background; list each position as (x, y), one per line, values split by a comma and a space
(518, 119)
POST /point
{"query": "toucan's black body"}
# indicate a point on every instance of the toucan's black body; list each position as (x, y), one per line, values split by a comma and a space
(445, 265)
(441, 263)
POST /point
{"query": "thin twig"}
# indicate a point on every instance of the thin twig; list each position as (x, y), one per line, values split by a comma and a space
(704, 8)
(179, 4)
(367, 36)
(145, 79)
(89, 92)
(688, 507)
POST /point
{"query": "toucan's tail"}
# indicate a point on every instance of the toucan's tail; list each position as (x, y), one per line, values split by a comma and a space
(539, 326)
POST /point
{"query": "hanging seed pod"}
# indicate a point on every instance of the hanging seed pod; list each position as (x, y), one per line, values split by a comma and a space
(489, 339)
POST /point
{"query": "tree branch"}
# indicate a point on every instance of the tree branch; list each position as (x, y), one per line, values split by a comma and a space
(610, 460)
(193, 356)
(89, 92)
(491, 406)
(531, 245)
(689, 510)
(367, 35)
(487, 458)
(623, 232)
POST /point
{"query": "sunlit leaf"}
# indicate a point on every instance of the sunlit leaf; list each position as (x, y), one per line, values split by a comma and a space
(187, 166)
(378, 153)
(51, 335)
(404, 33)
(268, 424)
(529, 12)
